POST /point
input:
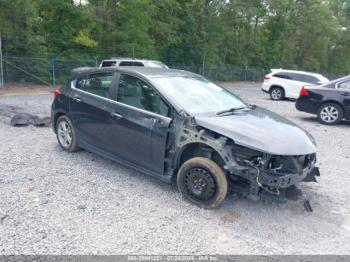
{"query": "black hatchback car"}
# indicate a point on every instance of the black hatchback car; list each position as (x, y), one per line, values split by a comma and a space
(178, 126)
(330, 102)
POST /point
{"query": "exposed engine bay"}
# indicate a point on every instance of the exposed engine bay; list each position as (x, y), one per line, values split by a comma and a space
(251, 173)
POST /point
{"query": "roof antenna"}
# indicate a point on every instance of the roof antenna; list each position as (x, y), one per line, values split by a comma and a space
(133, 51)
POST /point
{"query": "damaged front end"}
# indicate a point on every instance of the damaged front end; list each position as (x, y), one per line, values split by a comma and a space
(251, 173)
(257, 175)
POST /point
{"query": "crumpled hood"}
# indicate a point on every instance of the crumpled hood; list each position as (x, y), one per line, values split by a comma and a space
(262, 130)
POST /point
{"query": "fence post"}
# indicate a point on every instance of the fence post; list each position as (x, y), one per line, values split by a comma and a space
(53, 69)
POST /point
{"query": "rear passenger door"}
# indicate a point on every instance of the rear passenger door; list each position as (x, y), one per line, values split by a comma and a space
(142, 119)
(89, 108)
(343, 89)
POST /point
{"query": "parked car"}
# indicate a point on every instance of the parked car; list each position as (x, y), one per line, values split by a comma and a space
(330, 102)
(178, 126)
(281, 84)
(120, 61)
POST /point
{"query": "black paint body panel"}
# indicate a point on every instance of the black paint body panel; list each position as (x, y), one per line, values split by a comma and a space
(136, 139)
(329, 93)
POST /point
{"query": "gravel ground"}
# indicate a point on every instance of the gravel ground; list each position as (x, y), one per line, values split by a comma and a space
(53, 202)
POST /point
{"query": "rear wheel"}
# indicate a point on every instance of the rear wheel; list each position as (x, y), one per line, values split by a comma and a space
(330, 114)
(202, 182)
(276, 93)
(66, 134)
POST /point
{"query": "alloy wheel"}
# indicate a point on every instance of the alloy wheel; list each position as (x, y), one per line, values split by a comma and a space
(276, 94)
(329, 114)
(65, 134)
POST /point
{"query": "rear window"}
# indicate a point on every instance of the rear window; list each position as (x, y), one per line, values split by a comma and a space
(296, 77)
(130, 63)
(282, 75)
(108, 63)
(345, 85)
(97, 84)
(310, 79)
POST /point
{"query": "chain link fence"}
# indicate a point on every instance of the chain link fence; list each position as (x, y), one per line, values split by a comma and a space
(227, 72)
(33, 70)
(54, 71)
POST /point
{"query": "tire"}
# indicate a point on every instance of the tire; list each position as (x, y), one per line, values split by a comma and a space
(330, 114)
(66, 135)
(202, 182)
(276, 93)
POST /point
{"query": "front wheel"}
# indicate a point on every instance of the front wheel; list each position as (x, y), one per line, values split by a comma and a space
(330, 114)
(202, 182)
(66, 134)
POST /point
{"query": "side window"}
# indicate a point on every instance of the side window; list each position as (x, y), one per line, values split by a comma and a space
(134, 92)
(345, 85)
(108, 63)
(310, 79)
(296, 77)
(282, 75)
(97, 84)
(130, 63)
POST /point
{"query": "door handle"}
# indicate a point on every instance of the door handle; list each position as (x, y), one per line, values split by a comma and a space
(116, 115)
(76, 99)
(345, 94)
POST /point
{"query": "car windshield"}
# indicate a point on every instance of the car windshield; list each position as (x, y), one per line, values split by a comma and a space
(197, 95)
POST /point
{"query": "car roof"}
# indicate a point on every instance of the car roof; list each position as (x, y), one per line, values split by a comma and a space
(147, 72)
(128, 59)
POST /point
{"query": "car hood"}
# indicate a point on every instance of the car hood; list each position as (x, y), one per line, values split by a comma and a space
(262, 130)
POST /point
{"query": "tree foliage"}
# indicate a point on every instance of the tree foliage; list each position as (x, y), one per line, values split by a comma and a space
(302, 34)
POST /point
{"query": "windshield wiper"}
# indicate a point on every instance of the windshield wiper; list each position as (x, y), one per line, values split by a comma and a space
(234, 109)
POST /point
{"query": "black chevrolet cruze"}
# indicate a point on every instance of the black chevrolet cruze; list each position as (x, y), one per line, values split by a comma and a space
(178, 126)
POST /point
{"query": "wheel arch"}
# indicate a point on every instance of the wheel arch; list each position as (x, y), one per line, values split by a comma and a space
(279, 86)
(332, 101)
(198, 149)
(56, 116)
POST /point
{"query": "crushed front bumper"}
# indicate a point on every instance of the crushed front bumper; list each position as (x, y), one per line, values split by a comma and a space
(274, 186)
(277, 180)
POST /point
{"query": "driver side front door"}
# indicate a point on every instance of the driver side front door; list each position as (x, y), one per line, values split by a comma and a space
(141, 123)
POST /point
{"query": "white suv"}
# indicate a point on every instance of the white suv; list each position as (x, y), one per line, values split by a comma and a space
(282, 84)
(120, 61)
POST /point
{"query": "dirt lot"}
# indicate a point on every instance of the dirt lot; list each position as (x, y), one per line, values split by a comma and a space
(11, 89)
(53, 202)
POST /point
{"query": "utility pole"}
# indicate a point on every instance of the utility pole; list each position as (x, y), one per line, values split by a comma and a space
(1, 65)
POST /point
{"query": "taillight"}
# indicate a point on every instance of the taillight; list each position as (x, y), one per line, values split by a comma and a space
(56, 93)
(266, 77)
(304, 92)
